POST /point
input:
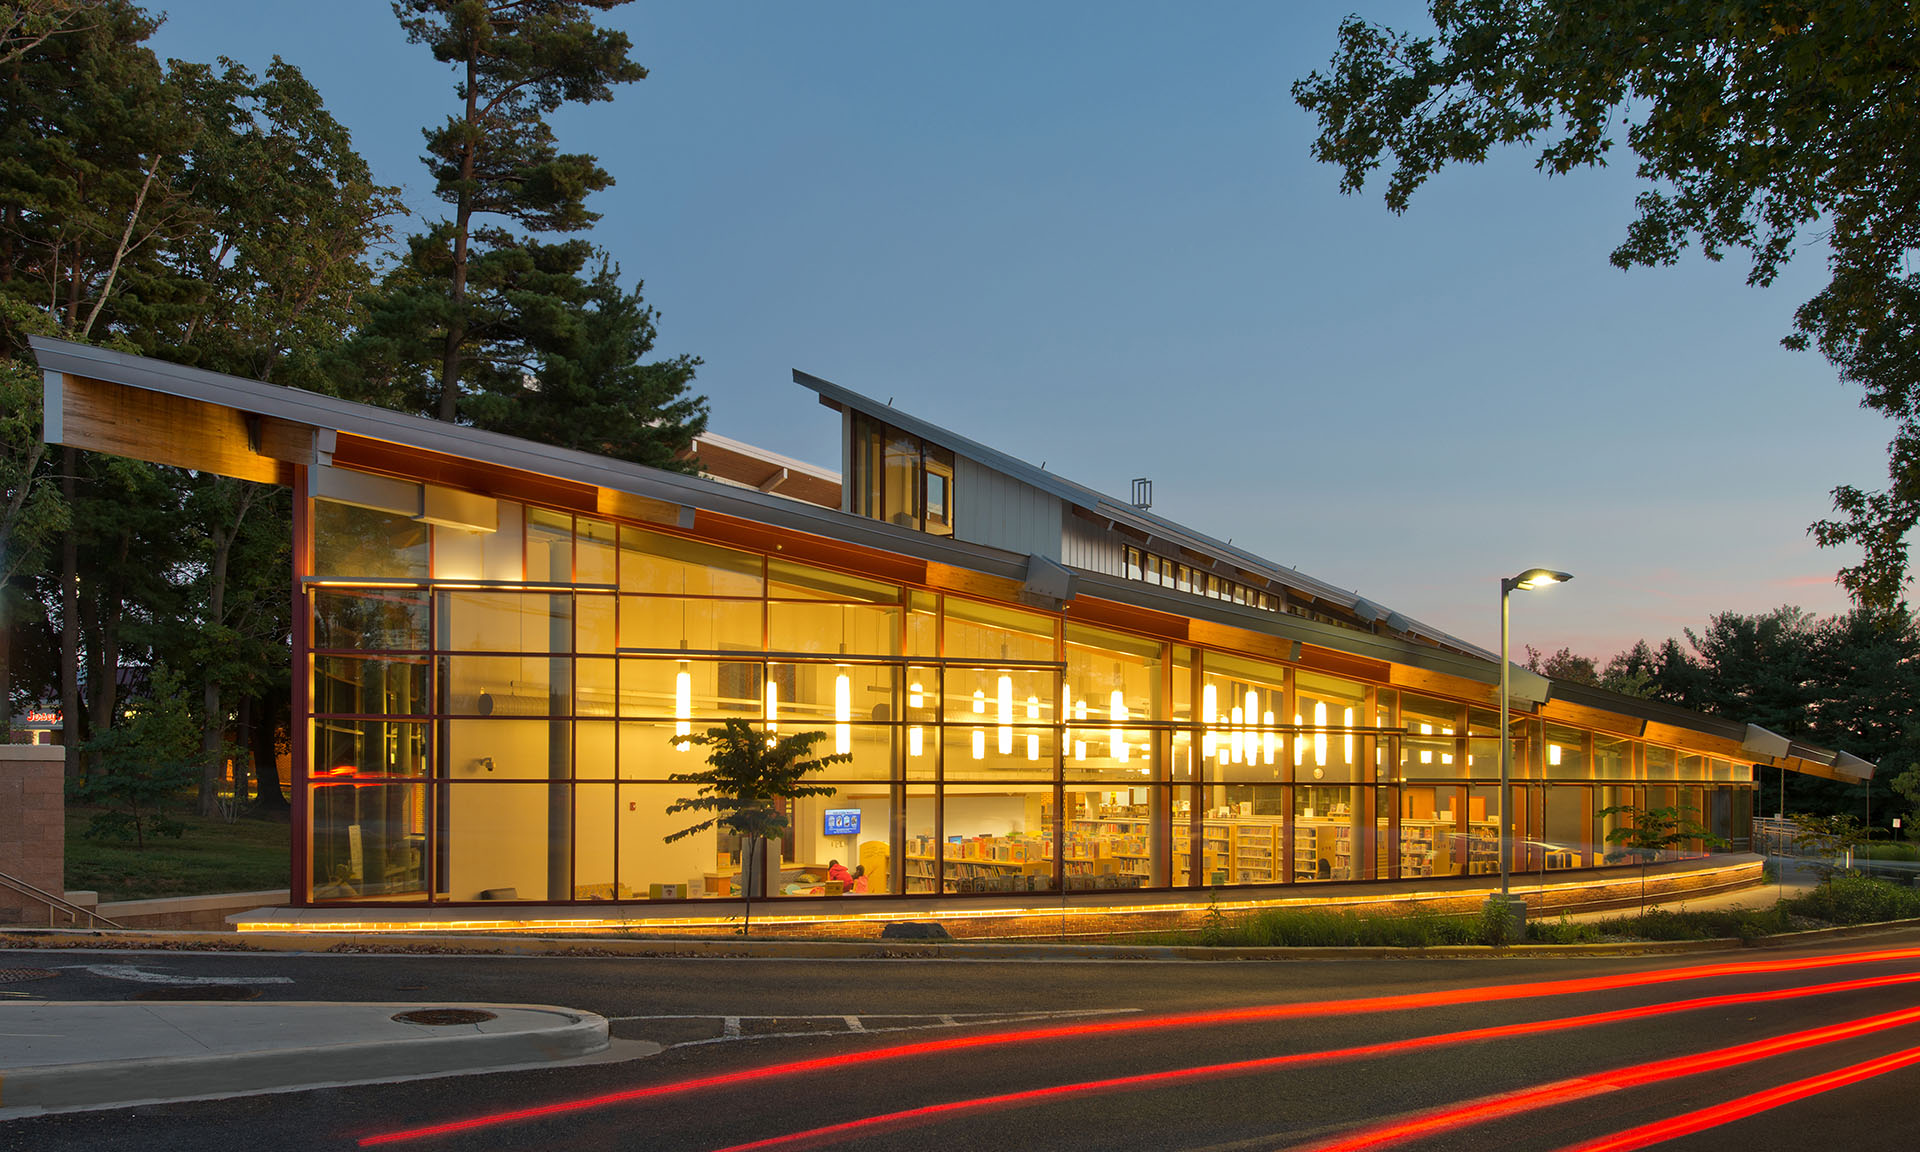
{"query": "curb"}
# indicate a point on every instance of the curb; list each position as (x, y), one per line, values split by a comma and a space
(50, 1087)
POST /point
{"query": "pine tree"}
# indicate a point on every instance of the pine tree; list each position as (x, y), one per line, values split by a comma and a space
(486, 323)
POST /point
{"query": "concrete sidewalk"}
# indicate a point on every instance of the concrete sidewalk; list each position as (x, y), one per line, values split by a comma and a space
(66, 1056)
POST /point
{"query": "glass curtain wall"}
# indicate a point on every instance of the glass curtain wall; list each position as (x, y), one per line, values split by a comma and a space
(498, 716)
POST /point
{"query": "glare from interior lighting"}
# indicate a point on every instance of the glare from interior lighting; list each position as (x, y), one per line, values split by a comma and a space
(683, 707)
(1320, 734)
(773, 706)
(916, 743)
(1006, 715)
(1349, 723)
(1553, 755)
(1209, 709)
(1033, 747)
(1235, 738)
(979, 743)
(979, 702)
(914, 693)
(842, 712)
(1426, 757)
(1446, 757)
(1273, 738)
(1079, 749)
(1117, 717)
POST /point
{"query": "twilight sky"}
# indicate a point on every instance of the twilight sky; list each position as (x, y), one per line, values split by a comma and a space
(1092, 236)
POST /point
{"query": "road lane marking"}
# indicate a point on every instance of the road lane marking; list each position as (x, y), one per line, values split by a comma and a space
(138, 975)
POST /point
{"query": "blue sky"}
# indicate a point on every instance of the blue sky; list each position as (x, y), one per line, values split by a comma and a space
(1093, 236)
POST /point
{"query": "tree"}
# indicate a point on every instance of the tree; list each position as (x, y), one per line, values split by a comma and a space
(1832, 837)
(752, 775)
(485, 322)
(1907, 786)
(142, 765)
(1756, 123)
(25, 24)
(1647, 832)
(1564, 665)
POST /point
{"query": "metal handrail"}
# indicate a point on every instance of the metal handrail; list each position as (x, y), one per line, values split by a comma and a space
(55, 903)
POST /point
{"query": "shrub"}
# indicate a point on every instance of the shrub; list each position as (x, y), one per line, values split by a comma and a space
(1856, 900)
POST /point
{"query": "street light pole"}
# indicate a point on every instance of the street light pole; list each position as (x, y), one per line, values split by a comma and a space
(1530, 579)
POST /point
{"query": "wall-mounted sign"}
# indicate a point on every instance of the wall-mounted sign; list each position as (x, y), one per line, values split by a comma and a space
(843, 822)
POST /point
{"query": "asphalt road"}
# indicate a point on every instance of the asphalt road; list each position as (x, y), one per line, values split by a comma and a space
(848, 1025)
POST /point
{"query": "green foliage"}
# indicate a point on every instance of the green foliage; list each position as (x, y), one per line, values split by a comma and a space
(1756, 126)
(1308, 928)
(141, 766)
(1647, 832)
(485, 322)
(1856, 900)
(214, 856)
(1910, 852)
(1563, 931)
(1497, 926)
(1833, 838)
(1214, 925)
(750, 773)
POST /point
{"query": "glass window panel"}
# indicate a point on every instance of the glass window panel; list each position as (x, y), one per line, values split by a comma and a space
(1101, 664)
(712, 689)
(501, 840)
(1660, 763)
(595, 556)
(701, 863)
(458, 553)
(593, 626)
(1612, 758)
(848, 629)
(699, 625)
(1566, 754)
(593, 844)
(998, 839)
(1327, 828)
(593, 750)
(1481, 851)
(989, 752)
(369, 842)
(923, 624)
(593, 691)
(652, 752)
(870, 745)
(506, 621)
(1111, 839)
(492, 750)
(380, 685)
(369, 620)
(977, 631)
(900, 461)
(858, 835)
(356, 543)
(1568, 830)
(1428, 832)
(811, 695)
(658, 563)
(920, 852)
(790, 581)
(549, 546)
(503, 552)
(1332, 708)
(1692, 767)
(1611, 851)
(1117, 753)
(501, 686)
(978, 695)
(1428, 752)
(351, 749)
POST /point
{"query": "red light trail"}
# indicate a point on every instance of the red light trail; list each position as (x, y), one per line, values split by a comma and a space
(1374, 1004)
(889, 1120)
(1719, 1114)
(1632, 1076)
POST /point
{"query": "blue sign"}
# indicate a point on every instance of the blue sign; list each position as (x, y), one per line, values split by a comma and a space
(843, 822)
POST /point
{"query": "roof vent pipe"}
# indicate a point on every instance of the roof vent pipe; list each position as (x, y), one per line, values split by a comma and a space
(1142, 493)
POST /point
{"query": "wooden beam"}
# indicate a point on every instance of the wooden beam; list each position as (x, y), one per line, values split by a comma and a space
(101, 416)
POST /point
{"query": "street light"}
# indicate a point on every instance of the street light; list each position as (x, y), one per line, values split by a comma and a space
(1527, 581)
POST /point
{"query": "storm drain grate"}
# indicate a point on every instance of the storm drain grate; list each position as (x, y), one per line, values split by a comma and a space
(15, 975)
(444, 1016)
(198, 992)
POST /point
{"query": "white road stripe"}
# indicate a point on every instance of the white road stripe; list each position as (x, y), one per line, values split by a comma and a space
(139, 976)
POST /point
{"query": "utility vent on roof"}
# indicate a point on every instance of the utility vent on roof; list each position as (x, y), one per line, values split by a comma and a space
(1142, 493)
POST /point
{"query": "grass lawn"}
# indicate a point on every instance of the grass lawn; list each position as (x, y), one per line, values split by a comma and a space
(250, 855)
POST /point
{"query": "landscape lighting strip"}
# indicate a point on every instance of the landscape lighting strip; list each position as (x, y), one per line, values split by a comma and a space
(1216, 1018)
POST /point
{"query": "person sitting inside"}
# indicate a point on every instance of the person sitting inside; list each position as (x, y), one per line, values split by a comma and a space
(838, 871)
(859, 885)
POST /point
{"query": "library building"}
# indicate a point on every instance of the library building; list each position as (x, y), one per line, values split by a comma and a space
(501, 649)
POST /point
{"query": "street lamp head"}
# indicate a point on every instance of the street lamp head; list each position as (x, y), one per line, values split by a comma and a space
(1537, 578)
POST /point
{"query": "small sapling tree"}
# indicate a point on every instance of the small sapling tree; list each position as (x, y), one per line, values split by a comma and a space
(749, 774)
(1647, 832)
